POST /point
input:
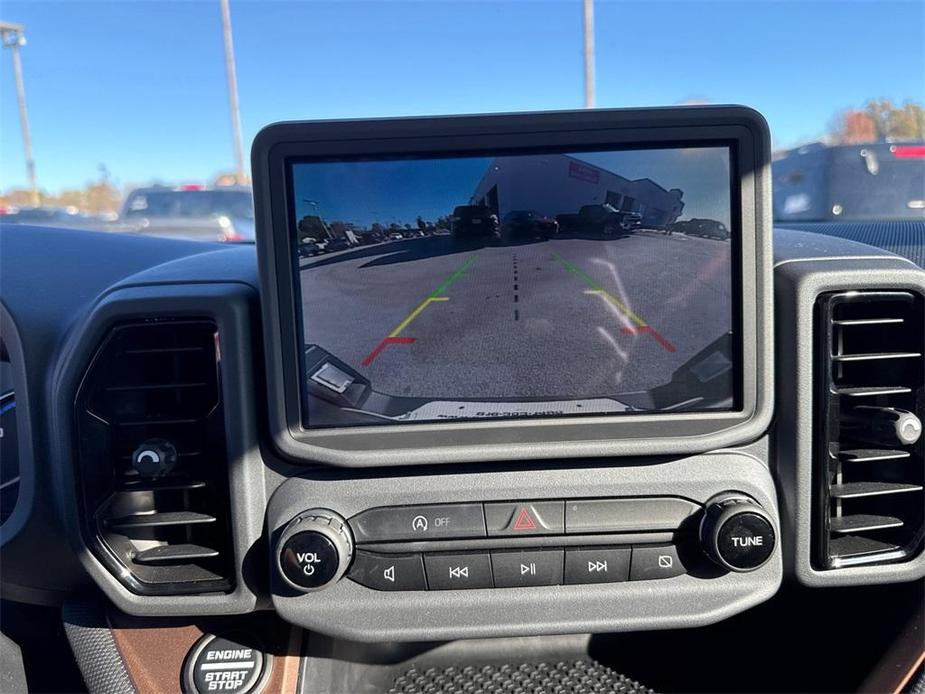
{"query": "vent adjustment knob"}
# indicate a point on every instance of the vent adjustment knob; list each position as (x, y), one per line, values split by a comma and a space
(154, 458)
(737, 533)
(885, 426)
(314, 550)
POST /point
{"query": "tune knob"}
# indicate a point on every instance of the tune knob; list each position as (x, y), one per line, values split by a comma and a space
(314, 550)
(737, 533)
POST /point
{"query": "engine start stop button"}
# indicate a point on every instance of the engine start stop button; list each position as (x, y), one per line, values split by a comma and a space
(217, 664)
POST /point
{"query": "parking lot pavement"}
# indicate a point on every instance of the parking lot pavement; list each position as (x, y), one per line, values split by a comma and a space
(565, 318)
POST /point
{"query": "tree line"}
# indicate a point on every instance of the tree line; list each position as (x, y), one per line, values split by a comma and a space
(878, 120)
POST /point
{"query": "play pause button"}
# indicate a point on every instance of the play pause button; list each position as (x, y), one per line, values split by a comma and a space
(597, 565)
(540, 567)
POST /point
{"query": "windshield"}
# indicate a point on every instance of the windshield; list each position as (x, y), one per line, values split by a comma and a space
(111, 121)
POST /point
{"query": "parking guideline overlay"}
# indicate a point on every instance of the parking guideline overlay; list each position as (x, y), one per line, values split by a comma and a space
(642, 327)
(394, 337)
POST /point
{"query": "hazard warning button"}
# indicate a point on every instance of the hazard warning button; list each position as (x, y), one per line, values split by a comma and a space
(531, 518)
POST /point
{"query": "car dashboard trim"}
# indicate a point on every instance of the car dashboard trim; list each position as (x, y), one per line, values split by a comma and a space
(230, 305)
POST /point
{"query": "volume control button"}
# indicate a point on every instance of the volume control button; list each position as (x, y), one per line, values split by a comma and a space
(314, 550)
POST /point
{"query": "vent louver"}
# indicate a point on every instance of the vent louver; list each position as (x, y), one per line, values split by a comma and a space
(162, 531)
(869, 471)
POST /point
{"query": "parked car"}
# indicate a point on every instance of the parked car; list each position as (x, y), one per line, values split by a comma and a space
(706, 228)
(309, 248)
(474, 221)
(61, 217)
(883, 180)
(191, 211)
(527, 224)
(338, 244)
(369, 238)
(599, 219)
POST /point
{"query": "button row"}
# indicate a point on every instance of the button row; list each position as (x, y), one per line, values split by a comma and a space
(515, 568)
(499, 519)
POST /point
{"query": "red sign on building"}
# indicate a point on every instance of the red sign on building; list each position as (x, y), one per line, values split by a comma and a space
(588, 174)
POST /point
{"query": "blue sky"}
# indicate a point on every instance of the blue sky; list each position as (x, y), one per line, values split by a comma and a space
(140, 86)
(400, 190)
(385, 191)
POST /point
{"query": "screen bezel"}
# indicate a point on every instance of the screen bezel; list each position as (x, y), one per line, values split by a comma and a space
(742, 130)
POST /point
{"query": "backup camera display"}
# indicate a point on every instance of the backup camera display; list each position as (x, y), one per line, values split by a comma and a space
(515, 286)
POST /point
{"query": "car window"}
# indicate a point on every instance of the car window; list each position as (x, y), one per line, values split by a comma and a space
(114, 119)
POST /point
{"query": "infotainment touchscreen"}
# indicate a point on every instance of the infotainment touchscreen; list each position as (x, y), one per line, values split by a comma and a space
(515, 285)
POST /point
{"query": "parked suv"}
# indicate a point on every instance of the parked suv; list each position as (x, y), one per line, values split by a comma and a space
(527, 224)
(192, 212)
(599, 219)
(707, 228)
(882, 180)
(473, 221)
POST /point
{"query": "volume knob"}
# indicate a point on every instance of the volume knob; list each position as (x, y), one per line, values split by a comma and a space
(314, 550)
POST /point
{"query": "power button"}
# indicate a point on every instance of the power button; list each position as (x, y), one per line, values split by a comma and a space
(314, 550)
(226, 665)
(309, 559)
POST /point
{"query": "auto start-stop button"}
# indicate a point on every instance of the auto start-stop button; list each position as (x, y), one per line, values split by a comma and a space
(217, 664)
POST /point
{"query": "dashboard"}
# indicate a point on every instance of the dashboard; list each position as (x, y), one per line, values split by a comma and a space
(9, 473)
(158, 413)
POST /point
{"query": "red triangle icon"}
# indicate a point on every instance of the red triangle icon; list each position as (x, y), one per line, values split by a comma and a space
(524, 521)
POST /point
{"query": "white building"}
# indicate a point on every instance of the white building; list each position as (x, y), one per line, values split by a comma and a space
(552, 184)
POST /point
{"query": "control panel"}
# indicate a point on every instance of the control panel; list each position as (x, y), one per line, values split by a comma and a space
(517, 544)
(432, 555)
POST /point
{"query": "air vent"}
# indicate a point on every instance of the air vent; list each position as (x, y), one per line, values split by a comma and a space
(153, 394)
(869, 472)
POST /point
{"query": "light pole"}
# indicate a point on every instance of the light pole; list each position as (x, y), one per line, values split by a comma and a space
(13, 38)
(589, 53)
(233, 94)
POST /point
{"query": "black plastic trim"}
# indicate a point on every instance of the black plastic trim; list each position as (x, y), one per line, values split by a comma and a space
(531, 439)
(230, 305)
(830, 462)
(24, 499)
